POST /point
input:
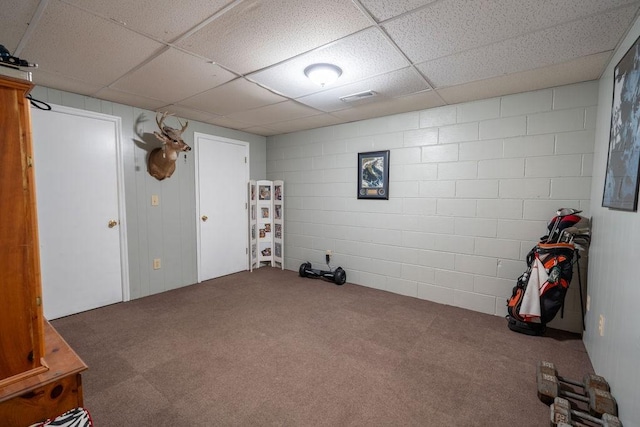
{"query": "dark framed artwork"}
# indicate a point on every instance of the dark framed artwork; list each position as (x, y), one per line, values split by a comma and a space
(373, 175)
(623, 163)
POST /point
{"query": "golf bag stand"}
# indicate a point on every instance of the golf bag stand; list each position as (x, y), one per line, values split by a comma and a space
(540, 291)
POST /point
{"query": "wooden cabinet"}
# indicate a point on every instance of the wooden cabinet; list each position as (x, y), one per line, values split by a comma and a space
(25, 360)
(21, 325)
(48, 394)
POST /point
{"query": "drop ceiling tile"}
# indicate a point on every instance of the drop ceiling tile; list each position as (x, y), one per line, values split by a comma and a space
(546, 47)
(259, 130)
(57, 81)
(413, 102)
(258, 33)
(283, 111)
(578, 70)
(14, 20)
(189, 114)
(232, 97)
(383, 10)
(229, 123)
(304, 123)
(451, 26)
(389, 85)
(172, 76)
(76, 44)
(129, 99)
(360, 56)
(163, 19)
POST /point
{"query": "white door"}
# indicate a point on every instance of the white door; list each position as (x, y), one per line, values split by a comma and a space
(77, 189)
(222, 170)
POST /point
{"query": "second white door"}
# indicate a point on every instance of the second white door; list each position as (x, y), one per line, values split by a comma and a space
(222, 173)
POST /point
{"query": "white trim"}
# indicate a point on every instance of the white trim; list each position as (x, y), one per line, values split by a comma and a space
(196, 155)
(122, 223)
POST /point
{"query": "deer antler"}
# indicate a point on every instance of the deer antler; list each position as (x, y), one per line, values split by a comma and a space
(183, 126)
(164, 116)
(173, 134)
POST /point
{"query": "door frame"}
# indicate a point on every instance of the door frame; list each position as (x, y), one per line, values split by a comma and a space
(196, 148)
(122, 223)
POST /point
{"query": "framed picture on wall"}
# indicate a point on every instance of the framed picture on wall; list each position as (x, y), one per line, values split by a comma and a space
(623, 164)
(373, 175)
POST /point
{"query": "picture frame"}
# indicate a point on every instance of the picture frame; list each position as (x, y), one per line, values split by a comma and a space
(264, 192)
(373, 175)
(623, 161)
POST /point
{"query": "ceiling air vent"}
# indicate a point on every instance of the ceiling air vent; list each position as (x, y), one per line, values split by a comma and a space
(358, 96)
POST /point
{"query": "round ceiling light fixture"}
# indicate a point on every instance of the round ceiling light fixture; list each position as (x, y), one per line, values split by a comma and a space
(323, 74)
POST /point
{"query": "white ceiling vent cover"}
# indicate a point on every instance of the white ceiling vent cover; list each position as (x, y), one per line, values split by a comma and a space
(358, 96)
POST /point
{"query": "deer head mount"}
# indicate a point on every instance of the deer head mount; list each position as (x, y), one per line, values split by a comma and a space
(162, 160)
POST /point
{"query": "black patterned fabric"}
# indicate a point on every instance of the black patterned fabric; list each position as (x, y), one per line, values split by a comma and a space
(78, 417)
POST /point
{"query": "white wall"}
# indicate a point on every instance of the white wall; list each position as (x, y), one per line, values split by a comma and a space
(168, 231)
(614, 271)
(472, 189)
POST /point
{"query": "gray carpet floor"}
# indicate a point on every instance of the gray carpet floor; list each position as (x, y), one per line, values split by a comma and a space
(270, 348)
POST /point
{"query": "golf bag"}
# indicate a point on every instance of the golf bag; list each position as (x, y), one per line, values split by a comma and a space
(540, 291)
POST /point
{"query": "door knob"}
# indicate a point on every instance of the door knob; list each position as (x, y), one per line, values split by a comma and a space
(113, 223)
(205, 218)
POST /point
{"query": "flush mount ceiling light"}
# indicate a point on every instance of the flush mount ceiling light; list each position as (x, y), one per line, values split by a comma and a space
(323, 74)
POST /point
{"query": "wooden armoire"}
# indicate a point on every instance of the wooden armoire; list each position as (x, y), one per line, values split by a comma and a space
(39, 372)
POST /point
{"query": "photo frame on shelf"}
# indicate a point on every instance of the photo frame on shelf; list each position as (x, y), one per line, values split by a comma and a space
(623, 162)
(373, 175)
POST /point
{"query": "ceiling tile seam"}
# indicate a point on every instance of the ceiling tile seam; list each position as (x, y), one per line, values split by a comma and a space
(384, 33)
(326, 45)
(207, 89)
(514, 73)
(373, 76)
(123, 25)
(409, 12)
(33, 22)
(266, 125)
(144, 62)
(275, 103)
(624, 36)
(533, 31)
(592, 15)
(120, 24)
(175, 104)
(207, 21)
(307, 106)
(160, 41)
(522, 35)
(90, 93)
(274, 91)
(165, 49)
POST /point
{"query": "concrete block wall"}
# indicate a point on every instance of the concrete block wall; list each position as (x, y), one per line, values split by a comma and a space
(472, 188)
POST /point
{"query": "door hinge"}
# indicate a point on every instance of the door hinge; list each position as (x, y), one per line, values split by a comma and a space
(246, 251)
(245, 159)
(245, 206)
(38, 301)
(30, 161)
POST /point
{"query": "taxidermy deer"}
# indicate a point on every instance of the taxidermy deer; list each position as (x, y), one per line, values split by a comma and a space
(162, 160)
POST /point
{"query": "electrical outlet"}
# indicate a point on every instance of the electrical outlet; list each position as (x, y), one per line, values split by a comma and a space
(601, 325)
(156, 263)
(588, 302)
(329, 252)
(155, 200)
